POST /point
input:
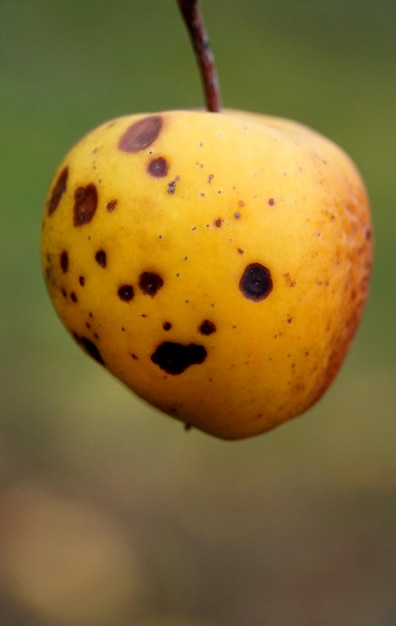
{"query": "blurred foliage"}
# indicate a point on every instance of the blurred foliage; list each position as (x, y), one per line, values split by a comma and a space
(109, 512)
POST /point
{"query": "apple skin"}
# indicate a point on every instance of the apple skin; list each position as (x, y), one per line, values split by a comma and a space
(217, 263)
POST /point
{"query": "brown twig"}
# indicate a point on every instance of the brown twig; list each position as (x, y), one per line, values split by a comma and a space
(199, 38)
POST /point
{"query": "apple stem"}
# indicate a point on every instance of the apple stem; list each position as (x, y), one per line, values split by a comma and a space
(200, 41)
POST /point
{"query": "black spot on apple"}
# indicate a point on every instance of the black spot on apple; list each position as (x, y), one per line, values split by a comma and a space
(125, 293)
(256, 282)
(141, 134)
(207, 328)
(175, 358)
(158, 167)
(100, 258)
(110, 206)
(172, 186)
(81, 280)
(64, 261)
(166, 325)
(85, 204)
(150, 283)
(58, 190)
(89, 347)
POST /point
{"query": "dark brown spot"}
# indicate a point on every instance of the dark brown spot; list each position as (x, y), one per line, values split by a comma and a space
(175, 358)
(81, 280)
(210, 178)
(207, 328)
(141, 134)
(256, 282)
(125, 293)
(218, 222)
(89, 347)
(150, 283)
(166, 325)
(271, 201)
(58, 191)
(85, 204)
(100, 258)
(110, 206)
(73, 297)
(158, 167)
(64, 261)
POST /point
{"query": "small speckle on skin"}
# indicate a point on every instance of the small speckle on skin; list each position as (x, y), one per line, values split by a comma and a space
(210, 178)
(256, 282)
(150, 283)
(174, 358)
(58, 190)
(207, 327)
(64, 261)
(81, 280)
(158, 167)
(271, 201)
(89, 347)
(110, 206)
(141, 134)
(166, 325)
(218, 222)
(85, 204)
(73, 297)
(125, 293)
(172, 185)
(100, 258)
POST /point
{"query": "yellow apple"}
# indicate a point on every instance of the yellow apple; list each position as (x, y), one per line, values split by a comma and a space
(217, 263)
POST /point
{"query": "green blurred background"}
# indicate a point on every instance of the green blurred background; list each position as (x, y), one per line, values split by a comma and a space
(110, 514)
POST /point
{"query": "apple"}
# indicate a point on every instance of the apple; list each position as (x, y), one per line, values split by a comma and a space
(217, 262)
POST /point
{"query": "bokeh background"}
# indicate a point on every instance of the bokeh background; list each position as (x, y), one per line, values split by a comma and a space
(111, 514)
